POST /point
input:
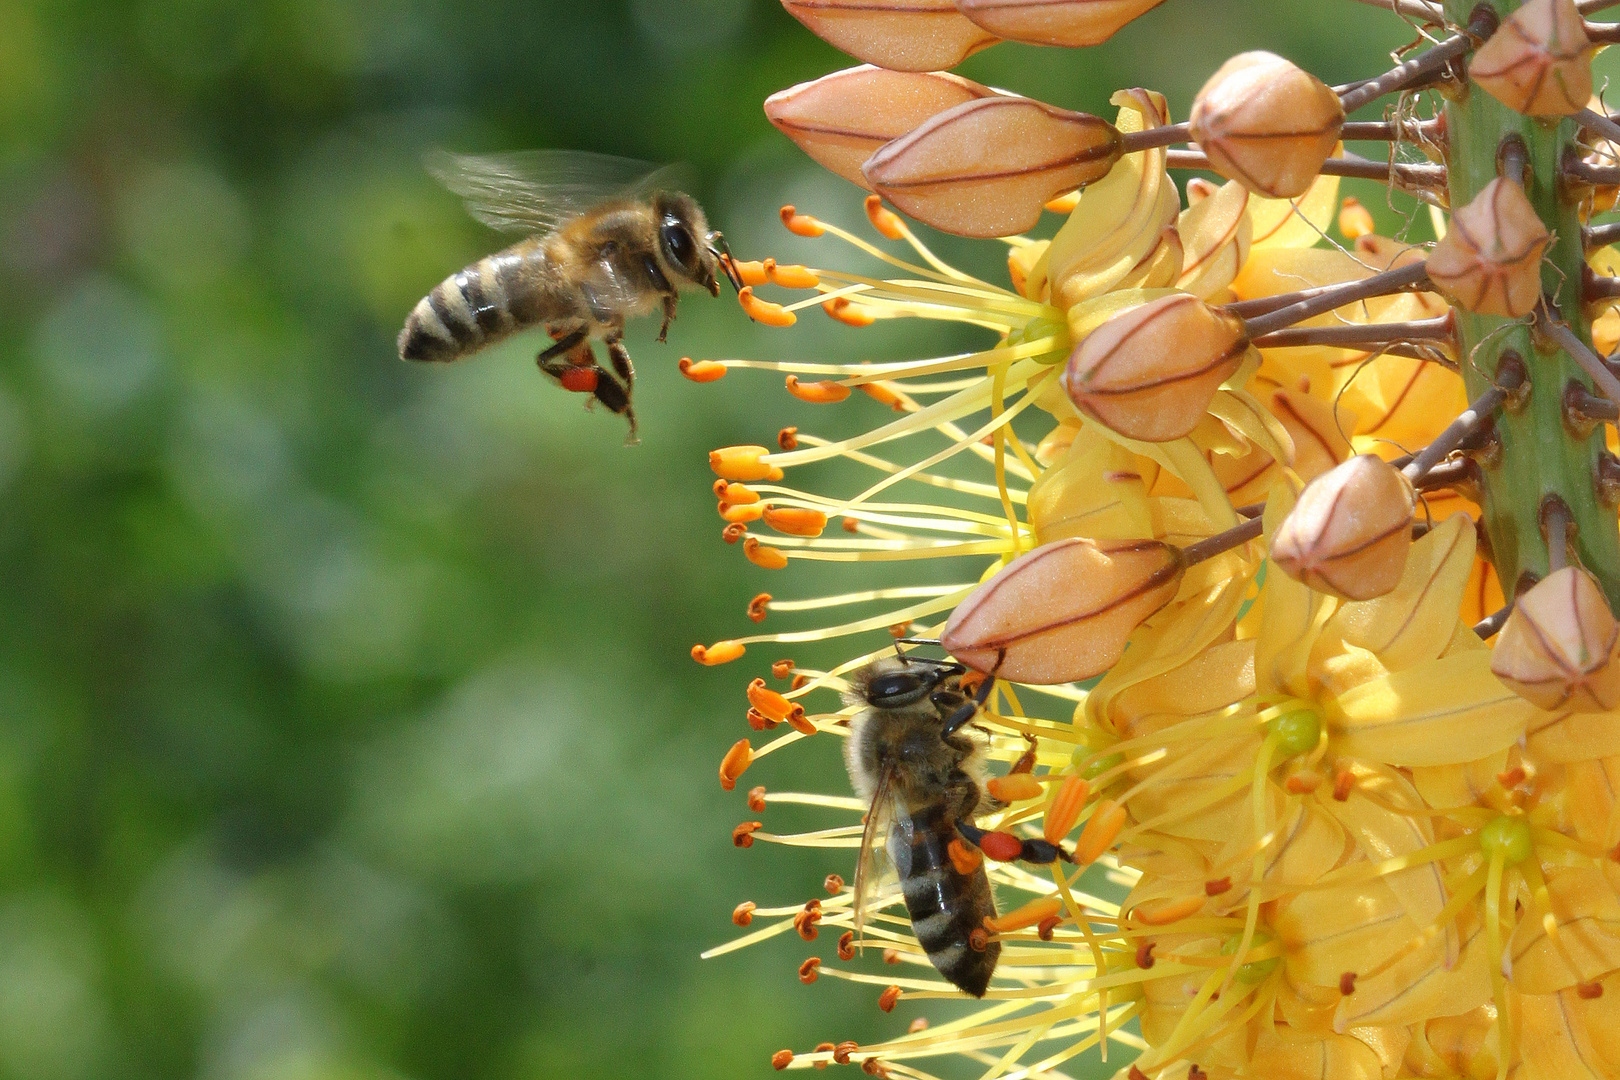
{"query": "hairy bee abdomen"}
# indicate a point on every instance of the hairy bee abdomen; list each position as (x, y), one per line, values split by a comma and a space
(480, 305)
(945, 906)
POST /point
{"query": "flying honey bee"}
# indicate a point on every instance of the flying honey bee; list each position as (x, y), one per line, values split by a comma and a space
(911, 755)
(606, 244)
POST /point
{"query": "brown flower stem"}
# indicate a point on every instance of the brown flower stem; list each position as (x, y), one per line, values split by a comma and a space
(1596, 236)
(1587, 406)
(1491, 623)
(1535, 453)
(1595, 287)
(1596, 121)
(1555, 519)
(1599, 175)
(1261, 305)
(1132, 141)
(1439, 328)
(1421, 69)
(1587, 7)
(1224, 541)
(1365, 168)
(1319, 301)
(1606, 33)
(1582, 353)
(1481, 411)
(1454, 473)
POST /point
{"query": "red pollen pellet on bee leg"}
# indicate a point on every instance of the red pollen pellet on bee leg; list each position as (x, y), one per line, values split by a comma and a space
(1000, 846)
(581, 380)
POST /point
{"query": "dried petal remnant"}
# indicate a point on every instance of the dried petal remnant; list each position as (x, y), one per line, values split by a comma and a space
(1489, 261)
(987, 167)
(1558, 648)
(1350, 531)
(1266, 124)
(841, 119)
(1151, 372)
(1063, 612)
(1067, 23)
(905, 35)
(1539, 61)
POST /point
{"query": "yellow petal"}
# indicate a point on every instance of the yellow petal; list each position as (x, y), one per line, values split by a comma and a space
(1282, 1055)
(1295, 223)
(1554, 1042)
(1566, 736)
(1215, 235)
(1412, 717)
(1586, 913)
(1292, 617)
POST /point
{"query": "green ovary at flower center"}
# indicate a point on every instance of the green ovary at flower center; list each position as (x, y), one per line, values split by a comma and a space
(1052, 326)
(1255, 971)
(1506, 838)
(1297, 727)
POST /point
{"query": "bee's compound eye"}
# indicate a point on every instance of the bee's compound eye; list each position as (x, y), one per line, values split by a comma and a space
(679, 246)
(898, 688)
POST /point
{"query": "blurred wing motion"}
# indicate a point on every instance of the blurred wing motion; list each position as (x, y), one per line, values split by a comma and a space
(536, 191)
(868, 861)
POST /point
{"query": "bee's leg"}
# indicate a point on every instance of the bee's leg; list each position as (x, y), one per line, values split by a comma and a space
(1031, 851)
(969, 709)
(565, 344)
(669, 316)
(621, 361)
(616, 397)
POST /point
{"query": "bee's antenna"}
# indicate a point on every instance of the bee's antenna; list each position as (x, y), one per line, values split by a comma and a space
(718, 245)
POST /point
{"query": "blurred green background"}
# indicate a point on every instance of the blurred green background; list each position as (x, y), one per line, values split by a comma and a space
(347, 726)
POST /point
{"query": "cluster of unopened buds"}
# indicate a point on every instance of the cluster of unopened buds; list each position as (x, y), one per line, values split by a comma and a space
(1284, 564)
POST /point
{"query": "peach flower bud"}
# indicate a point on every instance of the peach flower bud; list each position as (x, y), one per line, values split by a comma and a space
(1557, 649)
(1350, 530)
(1151, 372)
(988, 167)
(1490, 259)
(1539, 61)
(1266, 124)
(1069, 23)
(841, 119)
(1063, 612)
(904, 35)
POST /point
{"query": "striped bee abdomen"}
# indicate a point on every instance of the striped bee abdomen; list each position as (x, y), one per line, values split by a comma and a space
(474, 307)
(945, 906)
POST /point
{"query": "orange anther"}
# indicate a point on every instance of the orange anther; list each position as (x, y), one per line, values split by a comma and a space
(800, 681)
(765, 311)
(1170, 911)
(743, 834)
(891, 956)
(834, 884)
(1303, 781)
(846, 945)
(760, 555)
(874, 1067)
(888, 395)
(788, 438)
(1045, 927)
(978, 940)
(771, 703)
(817, 393)
(886, 1000)
(1064, 204)
(1511, 778)
(851, 525)
(849, 314)
(805, 923)
(900, 630)
(781, 669)
(971, 682)
(1144, 955)
(743, 913)
(745, 463)
(883, 219)
(919, 1024)
(735, 763)
(752, 271)
(1218, 886)
(1589, 991)
(1347, 983)
(1000, 846)
(756, 799)
(801, 225)
(741, 513)
(1136, 1074)
(1030, 914)
(1102, 828)
(702, 370)
(759, 721)
(1064, 810)
(791, 276)
(734, 532)
(758, 606)
(1342, 783)
(781, 1059)
(842, 1051)
(1195, 1073)
(807, 970)
(801, 723)
(721, 652)
(1015, 787)
(795, 520)
(822, 1048)
(965, 858)
(735, 494)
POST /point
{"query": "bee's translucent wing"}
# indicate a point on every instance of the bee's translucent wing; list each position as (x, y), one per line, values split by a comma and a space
(535, 191)
(869, 860)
